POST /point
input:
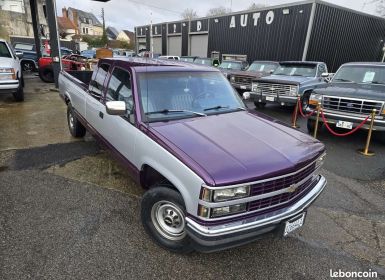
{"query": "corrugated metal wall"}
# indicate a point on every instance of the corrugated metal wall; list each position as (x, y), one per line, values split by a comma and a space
(340, 36)
(279, 38)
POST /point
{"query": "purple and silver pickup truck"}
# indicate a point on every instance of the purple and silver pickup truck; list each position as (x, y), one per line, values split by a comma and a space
(216, 175)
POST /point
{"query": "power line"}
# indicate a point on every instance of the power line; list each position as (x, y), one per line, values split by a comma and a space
(153, 6)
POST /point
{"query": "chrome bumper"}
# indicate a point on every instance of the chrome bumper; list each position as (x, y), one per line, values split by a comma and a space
(259, 222)
(286, 99)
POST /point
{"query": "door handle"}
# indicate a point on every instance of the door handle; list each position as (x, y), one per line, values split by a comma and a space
(101, 115)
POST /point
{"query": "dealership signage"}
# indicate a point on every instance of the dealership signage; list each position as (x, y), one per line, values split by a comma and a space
(254, 18)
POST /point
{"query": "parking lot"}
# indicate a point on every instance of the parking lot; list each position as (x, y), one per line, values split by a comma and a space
(67, 210)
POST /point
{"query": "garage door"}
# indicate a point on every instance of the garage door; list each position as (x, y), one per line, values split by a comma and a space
(199, 45)
(157, 41)
(174, 45)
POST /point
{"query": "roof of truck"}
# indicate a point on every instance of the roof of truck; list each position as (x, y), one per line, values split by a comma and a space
(159, 65)
(365, 63)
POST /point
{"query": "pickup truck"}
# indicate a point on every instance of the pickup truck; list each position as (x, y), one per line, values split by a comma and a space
(242, 80)
(177, 128)
(11, 75)
(29, 62)
(290, 80)
(229, 66)
(351, 95)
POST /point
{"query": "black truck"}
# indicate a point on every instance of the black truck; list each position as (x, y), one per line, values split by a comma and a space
(351, 95)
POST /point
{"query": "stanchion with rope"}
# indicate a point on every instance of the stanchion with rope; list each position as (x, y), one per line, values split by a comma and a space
(294, 123)
(317, 121)
(298, 108)
(366, 151)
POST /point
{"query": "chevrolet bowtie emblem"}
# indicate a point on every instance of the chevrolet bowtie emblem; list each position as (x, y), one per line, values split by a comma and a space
(292, 188)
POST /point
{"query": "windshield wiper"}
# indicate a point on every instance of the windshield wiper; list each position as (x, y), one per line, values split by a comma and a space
(343, 80)
(167, 111)
(222, 107)
(298, 75)
(377, 83)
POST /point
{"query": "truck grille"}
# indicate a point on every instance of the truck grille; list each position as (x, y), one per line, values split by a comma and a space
(280, 184)
(351, 105)
(274, 89)
(243, 80)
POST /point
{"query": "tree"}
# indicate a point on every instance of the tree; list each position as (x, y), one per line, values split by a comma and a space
(104, 39)
(255, 6)
(219, 11)
(189, 14)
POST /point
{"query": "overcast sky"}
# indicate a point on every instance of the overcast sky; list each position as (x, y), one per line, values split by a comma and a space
(125, 14)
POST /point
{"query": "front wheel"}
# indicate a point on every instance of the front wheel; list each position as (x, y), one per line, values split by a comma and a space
(19, 94)
(259, 105)
(28, 66)
(163, 217)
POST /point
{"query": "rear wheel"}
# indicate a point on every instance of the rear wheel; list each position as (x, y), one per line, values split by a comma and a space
(163, 217)
(76, 129)
(46, 75)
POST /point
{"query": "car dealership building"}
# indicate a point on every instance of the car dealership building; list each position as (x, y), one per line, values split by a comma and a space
(309, 30)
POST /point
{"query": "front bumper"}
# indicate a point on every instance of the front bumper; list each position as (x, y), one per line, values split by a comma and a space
(333, 117)
(219, 237)
(9, 86)
(283, 100)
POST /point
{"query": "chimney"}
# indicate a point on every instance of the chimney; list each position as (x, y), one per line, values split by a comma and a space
(64, 12)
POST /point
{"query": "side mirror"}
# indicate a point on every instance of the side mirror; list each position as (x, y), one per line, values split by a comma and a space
(325, 75)
(117, 108)
(19, 54)
(246, 95)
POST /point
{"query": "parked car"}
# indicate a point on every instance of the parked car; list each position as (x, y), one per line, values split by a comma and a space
(229, 66)
(188, 58)
(242, 80)
(290, 80)
(29, 62)
(351, 95)
(184, 124)
(72, 62)
(171, 57)
(11, 75)
(207, 61)
(90, 54)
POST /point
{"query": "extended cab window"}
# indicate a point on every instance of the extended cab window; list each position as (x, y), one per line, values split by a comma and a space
(96, 84)
(119, 89)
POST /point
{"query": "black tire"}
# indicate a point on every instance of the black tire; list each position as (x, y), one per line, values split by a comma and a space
(75, 127)
(19, 94)
(311, 125)
(28, 66)
(46, 75)
(260, 105)
(160, 197)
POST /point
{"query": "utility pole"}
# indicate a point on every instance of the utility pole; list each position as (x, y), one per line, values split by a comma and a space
(151, 39)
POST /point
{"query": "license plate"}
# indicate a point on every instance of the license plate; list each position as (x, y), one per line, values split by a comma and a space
(243, 87)
(294, 224)
(270, 98)
(343, 124)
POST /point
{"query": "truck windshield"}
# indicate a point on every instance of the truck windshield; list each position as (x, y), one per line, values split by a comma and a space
(367, 74)
(203, 61)
(176, 95)
(262, 67)
(4, 51)
(305, 70)
(231, 65)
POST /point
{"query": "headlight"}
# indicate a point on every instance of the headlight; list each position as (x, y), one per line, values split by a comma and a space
(320, 161)
(7, 74)
(315, 99)
(293, 91)
(232, 79)
(224, 194)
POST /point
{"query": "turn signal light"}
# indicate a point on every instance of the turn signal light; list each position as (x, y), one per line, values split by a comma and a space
(13, 74)
(313, 102)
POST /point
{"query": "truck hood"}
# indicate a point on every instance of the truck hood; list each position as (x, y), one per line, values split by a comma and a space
(6, 62)
(293, 80)
(352, 90)
(237, 147)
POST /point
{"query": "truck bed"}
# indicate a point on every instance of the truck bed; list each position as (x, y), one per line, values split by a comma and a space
(82, 78)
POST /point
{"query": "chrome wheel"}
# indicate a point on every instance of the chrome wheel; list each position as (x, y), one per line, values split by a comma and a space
(27, 67)
(168, 220)
(71, 120)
